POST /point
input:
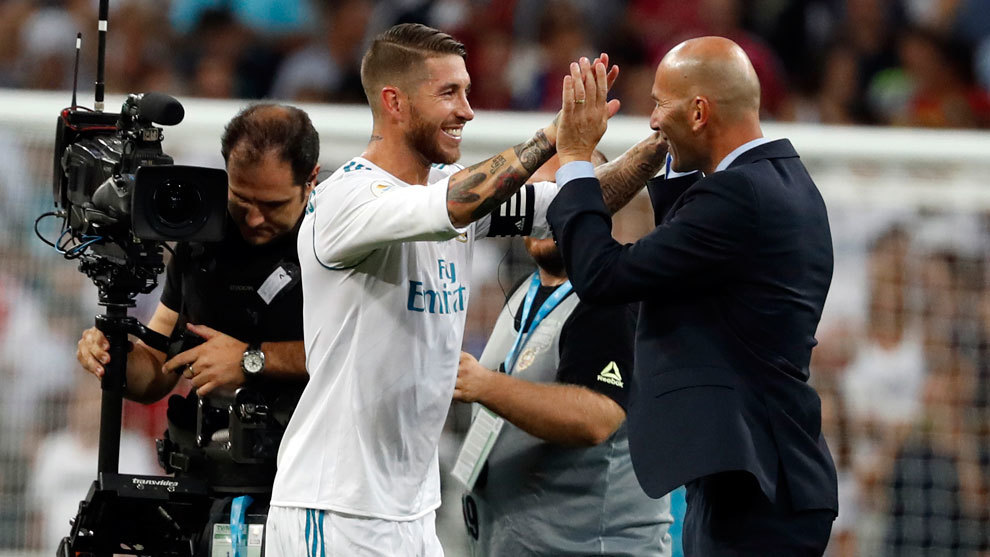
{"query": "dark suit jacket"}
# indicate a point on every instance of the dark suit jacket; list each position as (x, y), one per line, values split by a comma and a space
(731, 282)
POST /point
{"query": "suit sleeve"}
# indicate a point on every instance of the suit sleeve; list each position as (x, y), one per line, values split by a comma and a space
(596, 349)
(700, 242)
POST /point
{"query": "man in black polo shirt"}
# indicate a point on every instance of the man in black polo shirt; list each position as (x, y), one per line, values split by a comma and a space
(240, 298)
(216, 290)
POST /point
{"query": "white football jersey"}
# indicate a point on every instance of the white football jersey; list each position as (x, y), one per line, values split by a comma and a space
(385, 291)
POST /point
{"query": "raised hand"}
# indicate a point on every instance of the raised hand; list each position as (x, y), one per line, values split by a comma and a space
(585, 110)
(610, 76)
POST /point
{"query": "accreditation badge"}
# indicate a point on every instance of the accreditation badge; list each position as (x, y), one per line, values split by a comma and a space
(478, 443)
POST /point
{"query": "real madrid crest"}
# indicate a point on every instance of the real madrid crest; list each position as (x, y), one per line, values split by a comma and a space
(526, 358)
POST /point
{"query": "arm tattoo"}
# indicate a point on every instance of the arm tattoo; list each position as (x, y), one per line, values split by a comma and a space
(508, 183)
(484, 189)
(534, 152)
(622, 178)
(459, 191)
(376, 138)
(497, 163)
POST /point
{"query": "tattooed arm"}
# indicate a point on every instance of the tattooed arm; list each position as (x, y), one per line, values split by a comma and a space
(475, 191)
(623, 177)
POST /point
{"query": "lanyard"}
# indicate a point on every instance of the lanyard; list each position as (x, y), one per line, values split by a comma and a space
(551, 302)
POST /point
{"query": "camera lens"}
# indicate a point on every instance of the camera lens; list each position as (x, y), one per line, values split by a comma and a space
(176, 204)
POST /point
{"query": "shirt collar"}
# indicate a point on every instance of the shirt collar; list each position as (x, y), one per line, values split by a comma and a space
(731, 157)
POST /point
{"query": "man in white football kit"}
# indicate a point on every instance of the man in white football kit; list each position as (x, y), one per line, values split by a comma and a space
(386, 271)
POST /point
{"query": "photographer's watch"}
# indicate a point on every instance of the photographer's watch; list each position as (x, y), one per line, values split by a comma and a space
(253, 361)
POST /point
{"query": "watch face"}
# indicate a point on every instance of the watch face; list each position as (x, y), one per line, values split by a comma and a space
(254, 361)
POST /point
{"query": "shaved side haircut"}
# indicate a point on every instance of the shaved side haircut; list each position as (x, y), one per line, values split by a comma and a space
(396, 57)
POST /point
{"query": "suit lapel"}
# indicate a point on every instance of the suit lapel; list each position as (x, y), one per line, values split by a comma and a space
(664, 194)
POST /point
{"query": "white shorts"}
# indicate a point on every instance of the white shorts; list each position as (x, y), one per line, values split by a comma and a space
(296, 532)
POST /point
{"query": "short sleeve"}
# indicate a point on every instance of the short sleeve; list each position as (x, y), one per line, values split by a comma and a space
(596, 349)
(172, 291)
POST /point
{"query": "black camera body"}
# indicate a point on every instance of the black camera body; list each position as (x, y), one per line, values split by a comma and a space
(113, 179)
(122, 197)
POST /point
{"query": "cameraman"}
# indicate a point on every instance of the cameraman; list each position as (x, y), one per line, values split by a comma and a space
(240, 299)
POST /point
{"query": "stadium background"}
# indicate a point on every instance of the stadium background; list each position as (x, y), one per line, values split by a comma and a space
(903, 364)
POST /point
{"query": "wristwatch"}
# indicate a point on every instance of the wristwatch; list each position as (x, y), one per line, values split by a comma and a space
(253, 360)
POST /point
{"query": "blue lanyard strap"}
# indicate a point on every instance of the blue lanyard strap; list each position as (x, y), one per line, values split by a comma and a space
(548, 305)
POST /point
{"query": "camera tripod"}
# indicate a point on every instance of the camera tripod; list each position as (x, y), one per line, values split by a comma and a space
(129, 514)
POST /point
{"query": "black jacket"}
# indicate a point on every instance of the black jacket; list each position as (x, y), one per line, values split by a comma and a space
(732, 282)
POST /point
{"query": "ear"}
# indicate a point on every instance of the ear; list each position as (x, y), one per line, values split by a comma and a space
(311, 180)
(393, 102)
(701, 111)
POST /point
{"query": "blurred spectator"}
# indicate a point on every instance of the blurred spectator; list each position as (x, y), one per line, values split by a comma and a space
(934, 486)
(833, 61)
(137, 60)
(329, 68)
(867, 31)
(829, 358)
(562, 40)
(627, 49)
(47, 50)
(224, 59)
(35, 363)
(490, 50)
(725, 18)
(65, 463)
(839, 99)
(263, 16)
(942, 91)
(888, 364)
(13, 15)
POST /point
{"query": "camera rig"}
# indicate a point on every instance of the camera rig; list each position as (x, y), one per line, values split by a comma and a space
(121, 198)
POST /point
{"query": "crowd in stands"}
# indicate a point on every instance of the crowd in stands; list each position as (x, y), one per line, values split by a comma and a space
(900, 62)
(906, 393)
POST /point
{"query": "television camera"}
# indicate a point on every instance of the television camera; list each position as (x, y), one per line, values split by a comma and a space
(121, 198)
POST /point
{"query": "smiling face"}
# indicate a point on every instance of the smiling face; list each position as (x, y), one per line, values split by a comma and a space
(439, 109)
(262, 198)
(672, 118)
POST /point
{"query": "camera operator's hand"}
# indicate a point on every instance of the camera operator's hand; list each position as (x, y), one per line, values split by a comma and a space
(93, 351)
(215, 363)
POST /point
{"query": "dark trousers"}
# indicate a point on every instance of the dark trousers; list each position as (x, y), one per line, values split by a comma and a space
(728, 515)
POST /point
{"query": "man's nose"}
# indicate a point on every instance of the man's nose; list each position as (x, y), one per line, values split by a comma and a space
(254, 217)
(464, 110)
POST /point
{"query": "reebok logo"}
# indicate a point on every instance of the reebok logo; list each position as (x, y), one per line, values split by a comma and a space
(611, 375)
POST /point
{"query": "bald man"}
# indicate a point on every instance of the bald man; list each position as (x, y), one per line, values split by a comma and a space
(731, 282)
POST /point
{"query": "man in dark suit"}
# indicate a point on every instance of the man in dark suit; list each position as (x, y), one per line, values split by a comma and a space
(731, 282)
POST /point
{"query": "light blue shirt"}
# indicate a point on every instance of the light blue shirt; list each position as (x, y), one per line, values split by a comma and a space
(584, 169)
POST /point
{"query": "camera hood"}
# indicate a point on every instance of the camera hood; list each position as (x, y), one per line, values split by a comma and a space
(173, 202)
